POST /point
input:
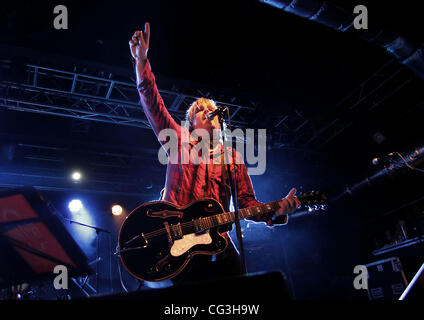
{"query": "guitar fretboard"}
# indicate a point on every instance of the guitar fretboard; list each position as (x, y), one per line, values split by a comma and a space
(177, 230)
(205, 223)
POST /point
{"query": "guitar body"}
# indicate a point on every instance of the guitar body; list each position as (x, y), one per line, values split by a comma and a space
(152, 246)
(158, 239)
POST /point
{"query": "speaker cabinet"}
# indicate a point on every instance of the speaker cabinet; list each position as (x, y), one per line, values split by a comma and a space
(253, 288)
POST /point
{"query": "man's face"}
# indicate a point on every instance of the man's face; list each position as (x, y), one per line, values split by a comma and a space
(200, 121)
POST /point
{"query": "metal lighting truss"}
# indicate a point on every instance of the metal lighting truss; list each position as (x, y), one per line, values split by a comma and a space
(99, 98)
(86, 97)
(314, 132)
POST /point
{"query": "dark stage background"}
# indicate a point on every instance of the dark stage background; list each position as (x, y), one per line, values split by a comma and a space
(330, 101)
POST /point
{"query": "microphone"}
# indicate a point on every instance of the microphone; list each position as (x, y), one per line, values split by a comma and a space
(218, 111)
(386, 159)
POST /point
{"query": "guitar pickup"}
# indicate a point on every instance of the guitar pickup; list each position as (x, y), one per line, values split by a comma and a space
(177, 231)
(174, 231)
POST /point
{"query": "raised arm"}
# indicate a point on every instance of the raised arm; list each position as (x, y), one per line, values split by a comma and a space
(151, 101)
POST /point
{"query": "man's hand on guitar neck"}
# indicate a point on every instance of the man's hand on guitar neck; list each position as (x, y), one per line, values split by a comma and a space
(289, 204)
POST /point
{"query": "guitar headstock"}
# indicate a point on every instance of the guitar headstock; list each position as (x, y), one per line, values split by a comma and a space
(314, 200)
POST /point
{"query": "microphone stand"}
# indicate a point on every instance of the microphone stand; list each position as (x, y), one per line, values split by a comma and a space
(98, 230)
(233, 187)
(391, 167)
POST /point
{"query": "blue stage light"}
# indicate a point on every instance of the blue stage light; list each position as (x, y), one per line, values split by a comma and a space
(76, 176)
(75, 205)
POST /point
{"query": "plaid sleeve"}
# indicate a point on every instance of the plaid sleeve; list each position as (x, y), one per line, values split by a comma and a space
(153, 105)
(247, 198)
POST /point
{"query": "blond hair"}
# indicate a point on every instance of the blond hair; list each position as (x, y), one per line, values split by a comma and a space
(191, 111)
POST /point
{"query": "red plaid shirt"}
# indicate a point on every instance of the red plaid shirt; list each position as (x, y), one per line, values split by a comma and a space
(188, 182)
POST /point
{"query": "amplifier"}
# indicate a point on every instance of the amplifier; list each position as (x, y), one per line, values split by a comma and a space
(386, 279)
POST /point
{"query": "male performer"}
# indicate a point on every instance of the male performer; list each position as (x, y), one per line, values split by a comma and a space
(186, 182)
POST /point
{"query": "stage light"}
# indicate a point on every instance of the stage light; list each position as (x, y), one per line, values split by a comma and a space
(75, 205)
(76, 176)
(117, 210)
(82, 223)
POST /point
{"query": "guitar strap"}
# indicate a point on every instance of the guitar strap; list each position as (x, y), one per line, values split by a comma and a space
(196, 168)
(205, 186)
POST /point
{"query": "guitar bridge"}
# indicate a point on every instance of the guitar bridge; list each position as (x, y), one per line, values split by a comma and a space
(177, 231)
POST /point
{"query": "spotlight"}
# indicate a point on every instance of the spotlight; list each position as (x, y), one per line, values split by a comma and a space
(76, 176)
(75, 205)
(116, 210)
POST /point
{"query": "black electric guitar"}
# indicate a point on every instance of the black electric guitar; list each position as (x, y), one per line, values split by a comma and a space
(158, 239)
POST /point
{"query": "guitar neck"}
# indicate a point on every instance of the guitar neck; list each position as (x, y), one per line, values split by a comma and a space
(314, 201)
(255, 211)
(229, 217)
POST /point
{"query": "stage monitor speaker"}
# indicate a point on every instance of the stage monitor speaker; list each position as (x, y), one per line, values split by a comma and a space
(251, 288)
(386, 279)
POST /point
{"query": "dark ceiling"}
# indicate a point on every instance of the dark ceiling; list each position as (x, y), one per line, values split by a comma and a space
(240, 45)
(325, 97)
(304, 78)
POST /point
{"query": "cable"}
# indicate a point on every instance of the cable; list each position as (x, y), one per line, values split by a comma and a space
(120, 273)
(110, 263)
(407, 164)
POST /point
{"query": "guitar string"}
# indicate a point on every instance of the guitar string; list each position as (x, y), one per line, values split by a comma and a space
(161, 231)
(158, 232)
(184, 224)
